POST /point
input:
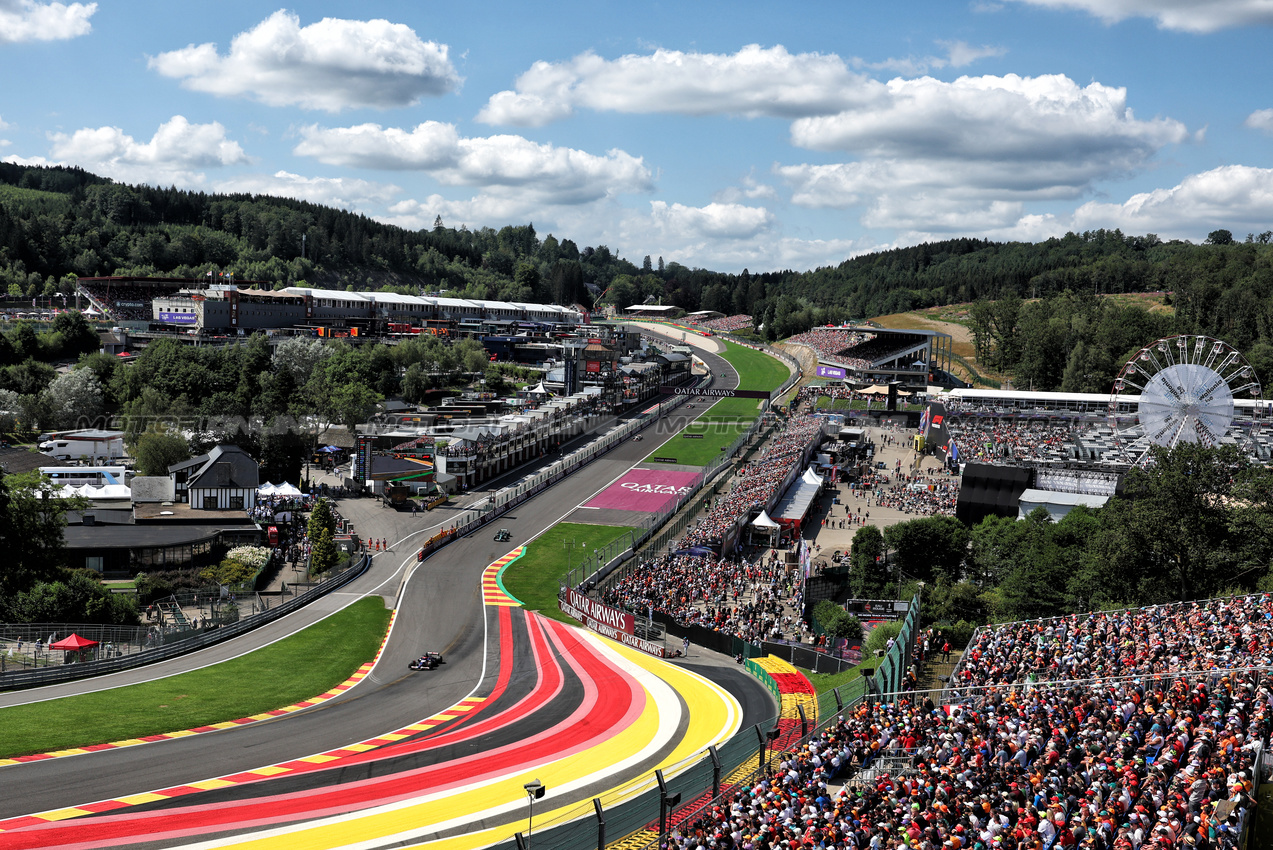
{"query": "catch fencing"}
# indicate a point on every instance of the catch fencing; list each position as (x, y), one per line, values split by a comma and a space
(188, 641)
(660, 531)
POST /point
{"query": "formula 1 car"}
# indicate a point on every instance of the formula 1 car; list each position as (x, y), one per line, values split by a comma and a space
(503, 535)
(428, 661)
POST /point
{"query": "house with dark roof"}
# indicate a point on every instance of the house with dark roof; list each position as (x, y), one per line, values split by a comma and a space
(225, 478)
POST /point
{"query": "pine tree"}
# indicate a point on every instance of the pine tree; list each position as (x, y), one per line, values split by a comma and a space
(322, 553)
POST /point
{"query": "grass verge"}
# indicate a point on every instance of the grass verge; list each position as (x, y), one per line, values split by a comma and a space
(729, 417)
(824, 682)
(535, 577)
(306, 664)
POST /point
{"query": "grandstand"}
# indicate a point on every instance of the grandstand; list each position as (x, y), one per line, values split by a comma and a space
(1037, 429)
(183, 304)
(713, 321)
(881, 355)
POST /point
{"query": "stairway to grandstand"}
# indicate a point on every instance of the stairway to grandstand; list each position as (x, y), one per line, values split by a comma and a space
(170, 613)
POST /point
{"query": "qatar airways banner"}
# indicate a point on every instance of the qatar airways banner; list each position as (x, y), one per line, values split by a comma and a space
(604, 628)
(648, 490)
(603, 614)
(832, 372)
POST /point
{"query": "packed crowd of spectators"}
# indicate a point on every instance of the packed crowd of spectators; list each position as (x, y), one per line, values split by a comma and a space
(875, 349)
(269, 507)
(726, 324)
(110, 296)
(1012, 441)
(923, 495)
(829, 342)
(809, 395)
(757, 483)
(1158, 762)
(756, 600)
(1215, 634)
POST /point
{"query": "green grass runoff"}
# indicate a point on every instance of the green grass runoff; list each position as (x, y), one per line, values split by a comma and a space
(823, 682)
(699, 451)
(729, 417)
(535, 577)
(296, 668)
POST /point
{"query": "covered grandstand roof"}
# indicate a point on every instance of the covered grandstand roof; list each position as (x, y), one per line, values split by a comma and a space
(332, 294)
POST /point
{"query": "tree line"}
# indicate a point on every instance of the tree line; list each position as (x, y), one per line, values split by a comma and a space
(57, 223)
(1194, 523)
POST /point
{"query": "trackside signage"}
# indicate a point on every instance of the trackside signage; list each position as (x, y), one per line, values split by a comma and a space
(669, 389)
(612, 617)
(603, 627)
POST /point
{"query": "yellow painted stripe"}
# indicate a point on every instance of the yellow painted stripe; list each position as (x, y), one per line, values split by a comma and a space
(319, 759)
(712, 716)
(63, 814)
(211, 784)
(271, 770)
(138, 799)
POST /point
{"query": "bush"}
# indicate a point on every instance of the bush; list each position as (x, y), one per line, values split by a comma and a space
(164, 583)
(229, 572)
(847, 626)
(76, 598)
(878, 638)
(957, 633)
(837, 622)
(241, 564)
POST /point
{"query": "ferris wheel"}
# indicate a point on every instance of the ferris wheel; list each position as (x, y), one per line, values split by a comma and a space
(1182, 389)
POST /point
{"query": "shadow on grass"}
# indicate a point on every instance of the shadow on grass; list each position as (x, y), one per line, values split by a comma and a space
(308, 663)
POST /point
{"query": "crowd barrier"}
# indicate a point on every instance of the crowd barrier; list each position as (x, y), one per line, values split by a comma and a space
(197, 640)
(654, 535)
(699, 780)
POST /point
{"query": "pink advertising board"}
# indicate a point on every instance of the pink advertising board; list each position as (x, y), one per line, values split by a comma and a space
(646, 490)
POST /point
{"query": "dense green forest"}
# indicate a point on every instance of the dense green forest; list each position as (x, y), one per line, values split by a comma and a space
(1033, 315)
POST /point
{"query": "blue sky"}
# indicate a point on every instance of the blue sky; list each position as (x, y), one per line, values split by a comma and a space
(718, 135)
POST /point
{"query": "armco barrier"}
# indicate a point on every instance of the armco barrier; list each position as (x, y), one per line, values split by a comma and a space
(65, 673)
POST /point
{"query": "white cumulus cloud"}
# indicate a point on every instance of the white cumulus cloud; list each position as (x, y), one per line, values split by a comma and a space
(1261, 119)
(964, 155)
(1197, 16)
(331, 65)
(714, 221)
(548, 173)
(1234, 197)
(958, 55)
(27, 20)
(174, 154)
(1009, 118)
(752, 82)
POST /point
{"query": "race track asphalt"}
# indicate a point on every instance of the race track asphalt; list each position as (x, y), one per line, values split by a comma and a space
(440, 609)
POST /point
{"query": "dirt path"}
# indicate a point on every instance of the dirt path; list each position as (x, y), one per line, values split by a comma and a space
(902, 321)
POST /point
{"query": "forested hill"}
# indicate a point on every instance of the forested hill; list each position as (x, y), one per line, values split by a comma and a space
(60, 222)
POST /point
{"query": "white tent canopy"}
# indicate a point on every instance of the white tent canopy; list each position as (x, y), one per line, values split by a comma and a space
(763, 521)
(811, 477)
(266, 489)
(286, 489)
(106, 491)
